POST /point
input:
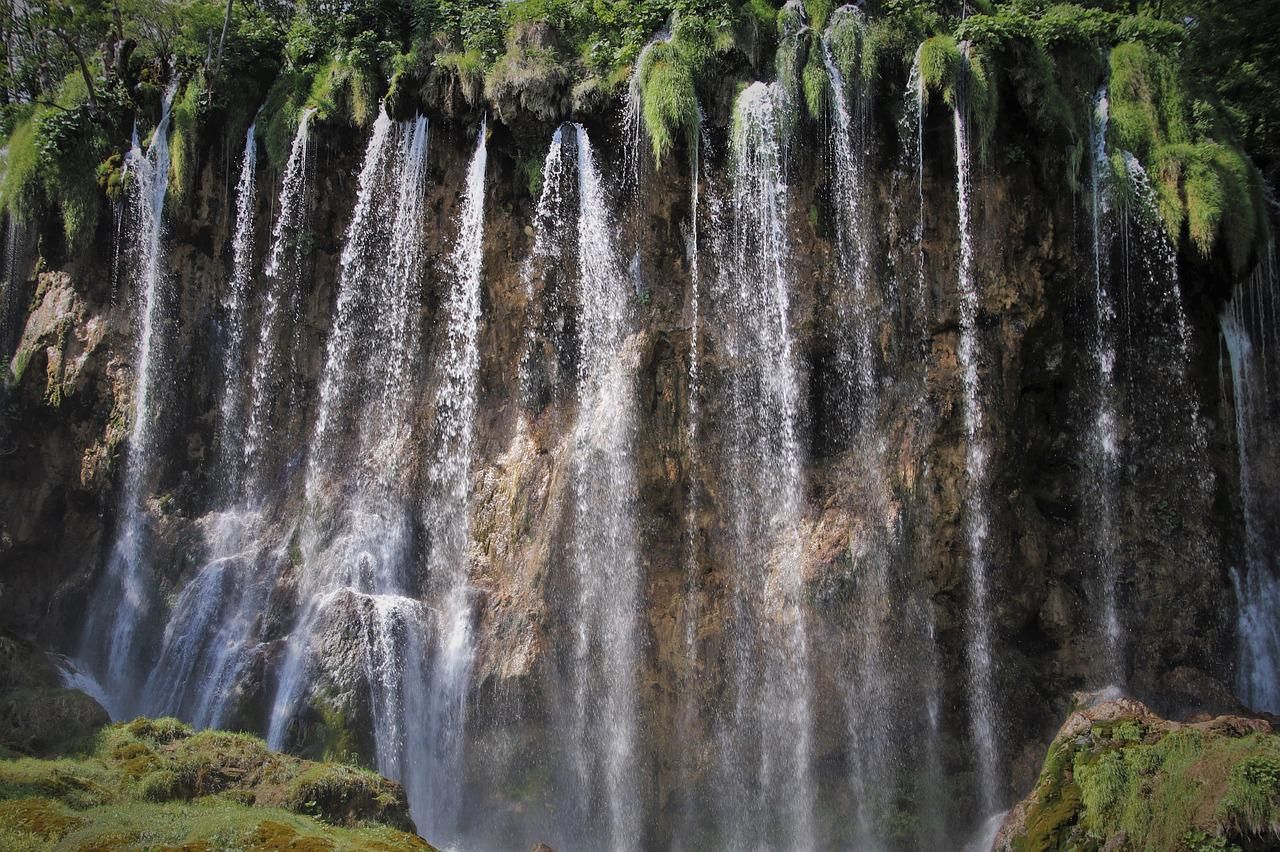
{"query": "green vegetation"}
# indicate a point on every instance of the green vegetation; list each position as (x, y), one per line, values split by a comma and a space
(1155, 786)
(154, 783)
(667, 79)
(1204, 186)
(1025, 71)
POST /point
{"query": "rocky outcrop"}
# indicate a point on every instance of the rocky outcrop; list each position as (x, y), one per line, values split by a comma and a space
(39, 716)
(1119, 777)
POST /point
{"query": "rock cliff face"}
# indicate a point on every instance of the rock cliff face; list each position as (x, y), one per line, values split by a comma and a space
(851, 638)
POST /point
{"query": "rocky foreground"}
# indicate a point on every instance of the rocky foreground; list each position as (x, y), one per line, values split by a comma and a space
(1119, 777)
(70, 780)
(1116, 777)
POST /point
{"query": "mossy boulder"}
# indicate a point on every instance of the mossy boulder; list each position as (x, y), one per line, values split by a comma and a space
(38, 716)
(346, 795)
(1118, 777)
(46, 721)
(156, 783)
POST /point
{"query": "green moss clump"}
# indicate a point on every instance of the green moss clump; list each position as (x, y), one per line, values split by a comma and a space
(1155, 787)
(467, 69)
(160, 731)
(342, 795)
(1148, 108)
(182, 141)
(53, 159)
(854, 45)
(667, 81)
(669, 98)
(940, 62)
(210, 789)
(161, 786)
(282, 112)
(1252, 803)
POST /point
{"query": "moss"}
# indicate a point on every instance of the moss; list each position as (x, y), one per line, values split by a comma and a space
(160, 731)
(669, 99)
(42, 818)
(1252, 802)
(819, 11)
(172, 805)
(467, 69)
(20, 187)
(161, 786)
(815, 83)
(940, 63)
(345, 795)
(1155, 788)
(853, 44)
(1148, 108)
(1057, 799)
(337, 737)
(667, 79)
(282, 111)
(1214, 191)
(182, 141)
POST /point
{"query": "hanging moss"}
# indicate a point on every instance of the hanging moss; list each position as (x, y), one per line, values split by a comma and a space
(53, 162)
(669, 97)
(818, 11)
(792, 18)
(20, 188)
(182, 141)
(344, 92)
(940, 62)
(854, 49)
(815, 83)
(1148, 108)
(282, 111)
(1214, 191)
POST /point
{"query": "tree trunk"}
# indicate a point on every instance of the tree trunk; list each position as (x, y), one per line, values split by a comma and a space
(226, 19)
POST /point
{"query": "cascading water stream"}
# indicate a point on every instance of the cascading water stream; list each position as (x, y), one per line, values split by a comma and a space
(448, 514)
(1104, 439)
(870, 693)
(125, 597)
(209, 638)
(764, 789)
(912, 136)
(270, 374)
(606, 574)
(1257, 583)
(231, 425)
(982, 706)
(356, 539)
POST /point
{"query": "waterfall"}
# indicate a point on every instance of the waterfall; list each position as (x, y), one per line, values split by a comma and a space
(209, 639)
(850, 144)
(911, 134)
(1245, 330)
(542, 265)
(270, 376)
(1104, 438)
(11, 285)
(125, 596)
(231, 426)
(764, 789)
(357, 539)
(982, 706)
(870, 692)
(448, 513)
